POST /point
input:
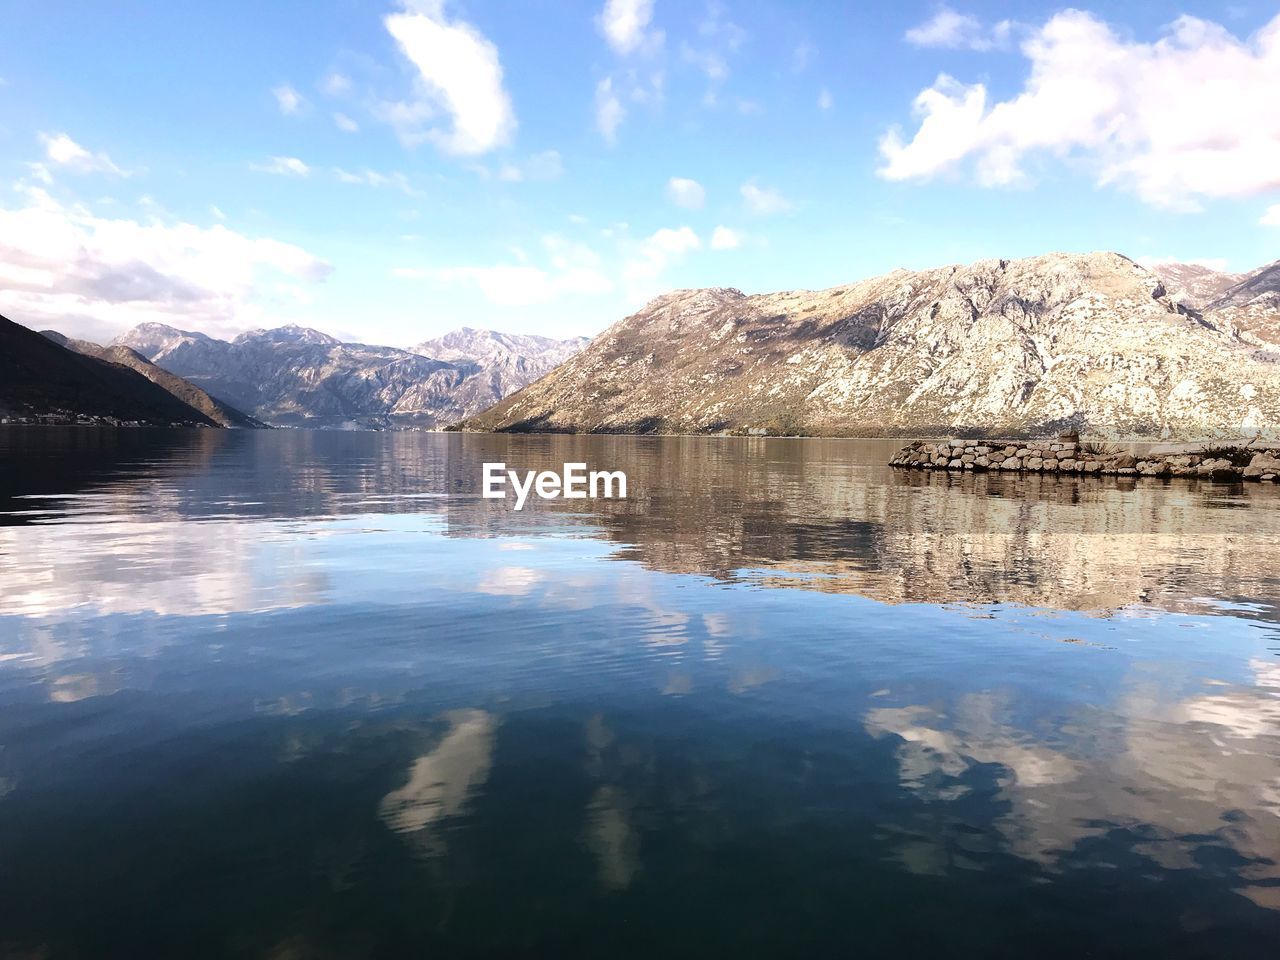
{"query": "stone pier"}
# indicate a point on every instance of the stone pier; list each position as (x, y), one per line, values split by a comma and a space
(1257, 460)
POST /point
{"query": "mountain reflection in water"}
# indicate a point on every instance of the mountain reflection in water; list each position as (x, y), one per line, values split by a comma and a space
(293, 694)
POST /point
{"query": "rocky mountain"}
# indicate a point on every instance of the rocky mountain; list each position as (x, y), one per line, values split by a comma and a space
(42, 381)
(1010, 347)
(521, 359)
(220, 413)
(296, 376)
(505, 362)
(1193, 284)
(1251, 307)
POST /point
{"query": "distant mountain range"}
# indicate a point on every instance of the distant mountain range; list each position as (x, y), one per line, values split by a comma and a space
(296, 376)
(1092, 341)
(44, 381)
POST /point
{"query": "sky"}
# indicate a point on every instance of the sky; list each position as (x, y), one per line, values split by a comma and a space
(386, 172)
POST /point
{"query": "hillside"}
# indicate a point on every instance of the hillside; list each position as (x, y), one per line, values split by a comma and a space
(1251, 307)
(1010, 347)
(1193, 284)
(220, 413)
(41, 381)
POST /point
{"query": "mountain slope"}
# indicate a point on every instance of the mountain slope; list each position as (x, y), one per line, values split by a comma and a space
(297, 376)
(220, 413)
(1087, 340)
(41, 380)
(1193, 284)
(520, 358)
(1251, 307)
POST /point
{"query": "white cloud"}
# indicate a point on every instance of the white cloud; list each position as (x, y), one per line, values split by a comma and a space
(566, 268)
(1192, 115)
(720, 38)
(546, 165)
(762, 200)
(571, 269)
(651, 256)
(217, 212)
(372, 178)
(283, 166)
(626, 26)
(609, 110)
(724, 238)
(825, 100)
(711, 62)
(336, 84)
(460, 73)
(720, 28)
(345, 123)
(60, 149)
(1272, 216)
(289, 100)
(61, 264)
(673, 241)
(956, 31)
(686, 193)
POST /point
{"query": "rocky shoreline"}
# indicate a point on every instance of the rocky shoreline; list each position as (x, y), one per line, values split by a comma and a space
(1257, 460)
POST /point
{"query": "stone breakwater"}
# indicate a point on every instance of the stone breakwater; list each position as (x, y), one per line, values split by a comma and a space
(1248, 461)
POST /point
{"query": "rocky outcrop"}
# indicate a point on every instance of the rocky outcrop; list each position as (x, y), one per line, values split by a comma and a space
(295, 376)
(1000, 347)
(1067, 455)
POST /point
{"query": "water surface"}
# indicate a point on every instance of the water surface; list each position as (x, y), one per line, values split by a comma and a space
(294, 694)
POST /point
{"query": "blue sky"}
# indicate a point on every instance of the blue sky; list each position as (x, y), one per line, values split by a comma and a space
(387, 172)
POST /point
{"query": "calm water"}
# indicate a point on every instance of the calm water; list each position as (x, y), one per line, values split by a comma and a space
(297, 694)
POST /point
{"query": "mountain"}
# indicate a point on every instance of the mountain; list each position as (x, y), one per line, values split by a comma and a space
(1193, 284)
(1001, 346)
(521, 358)
(220, 413)
(290, 334)
(296, 376)
(504, 362)
(1251, 307)
(45, 382)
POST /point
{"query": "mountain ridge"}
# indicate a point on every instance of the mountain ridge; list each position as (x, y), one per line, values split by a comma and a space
(298, 376)
(221, 413)
(1092, 341)
(43, 381)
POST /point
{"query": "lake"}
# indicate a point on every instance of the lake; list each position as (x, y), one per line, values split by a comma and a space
(304, 694)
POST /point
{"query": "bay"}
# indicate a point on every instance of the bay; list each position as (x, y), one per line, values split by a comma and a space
(294, 693)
